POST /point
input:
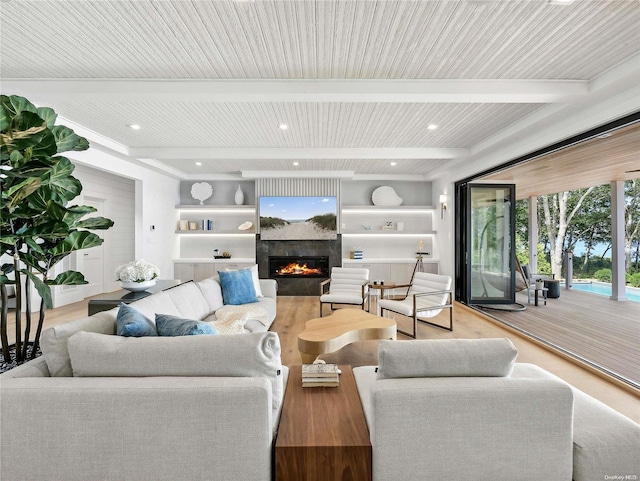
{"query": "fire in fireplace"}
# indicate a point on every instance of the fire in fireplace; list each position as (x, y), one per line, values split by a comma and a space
(298, 266)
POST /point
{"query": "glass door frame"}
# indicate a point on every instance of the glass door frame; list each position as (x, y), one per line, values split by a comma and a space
(463, 244)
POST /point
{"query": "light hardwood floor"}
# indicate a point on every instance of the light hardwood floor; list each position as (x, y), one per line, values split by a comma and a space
(293, 312)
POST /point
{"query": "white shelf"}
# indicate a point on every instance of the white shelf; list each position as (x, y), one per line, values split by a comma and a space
(388, 232)
(234, 208)
(215, 232)
(395, 209)
(211, 260)
(388, 260)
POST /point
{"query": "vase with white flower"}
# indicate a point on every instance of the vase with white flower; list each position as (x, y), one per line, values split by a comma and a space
(136, 276)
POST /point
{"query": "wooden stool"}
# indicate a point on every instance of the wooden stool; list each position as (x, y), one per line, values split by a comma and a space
(328, 334)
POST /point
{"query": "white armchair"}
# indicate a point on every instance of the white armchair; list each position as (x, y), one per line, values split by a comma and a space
(428, 294)
(346, 286)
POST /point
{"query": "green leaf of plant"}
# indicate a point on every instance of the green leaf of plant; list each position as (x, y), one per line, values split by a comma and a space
(8, 239)
(12, 106)
(15, 104)
(19, 192)
(7, 268)
(62, 186)
(68, 278)
(43, 289)
(47, 145)
(31, 242)
(83, 144)
(48, 115)
(75, 241)
(66, 139)
(25, 130)
(48, 229)
(56, 211)
(33, 262)
(76, 212)
(94, 223)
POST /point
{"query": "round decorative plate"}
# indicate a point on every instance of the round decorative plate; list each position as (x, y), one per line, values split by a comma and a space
(245, 226)
(385, 196)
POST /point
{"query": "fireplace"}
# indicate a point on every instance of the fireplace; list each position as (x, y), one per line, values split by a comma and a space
(311, 251)
(298, 266)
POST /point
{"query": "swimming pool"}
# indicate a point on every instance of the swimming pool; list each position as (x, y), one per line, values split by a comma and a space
(604, 289)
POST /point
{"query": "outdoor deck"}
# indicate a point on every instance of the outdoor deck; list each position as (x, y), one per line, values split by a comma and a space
(593, 328)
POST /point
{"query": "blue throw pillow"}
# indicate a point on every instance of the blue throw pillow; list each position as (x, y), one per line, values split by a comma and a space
(131, 323)
(168, 325)
(237, 287)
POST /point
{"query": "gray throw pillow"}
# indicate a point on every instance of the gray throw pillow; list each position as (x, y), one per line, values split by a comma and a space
(168, 325)
(241, 355)
(446, 358)
(132, 323)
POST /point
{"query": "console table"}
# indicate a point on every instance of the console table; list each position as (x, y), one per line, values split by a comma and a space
(104, 302)
(323, 433)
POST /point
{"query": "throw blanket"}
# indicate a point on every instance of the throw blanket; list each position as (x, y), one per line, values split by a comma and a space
(231, 319)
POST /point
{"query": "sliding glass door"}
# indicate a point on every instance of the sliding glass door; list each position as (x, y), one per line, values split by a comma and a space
(485, 257)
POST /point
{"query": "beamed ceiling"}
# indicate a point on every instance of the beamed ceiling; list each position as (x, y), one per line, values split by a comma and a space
(357, 82)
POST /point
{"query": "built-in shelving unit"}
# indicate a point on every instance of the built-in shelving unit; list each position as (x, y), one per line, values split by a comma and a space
(389, 238)
(221, 221)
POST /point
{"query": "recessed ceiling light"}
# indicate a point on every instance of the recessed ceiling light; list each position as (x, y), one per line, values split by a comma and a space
(560, 2)
(135, 127)
(432, 127)
(296, 163)
(394, 163)
(283, 126)
(198, 163)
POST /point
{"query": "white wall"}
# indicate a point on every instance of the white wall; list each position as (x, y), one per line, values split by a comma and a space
(118, 194)
(444, 240)
(156, 196)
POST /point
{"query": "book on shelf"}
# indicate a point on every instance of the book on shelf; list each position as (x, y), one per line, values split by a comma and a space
(320, 370)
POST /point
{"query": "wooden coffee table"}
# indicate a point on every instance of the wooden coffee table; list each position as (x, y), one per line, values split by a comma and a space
(330, 333)
(323, 434)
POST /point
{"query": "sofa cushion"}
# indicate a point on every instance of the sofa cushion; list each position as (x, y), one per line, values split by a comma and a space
(189, 300)
(446, 358)
(53, 341)
(242, 355)
(605, 442)
(131, 323)
(176, 326)
(254, 277)
(237, 287)
(151, 305)
(212, 292)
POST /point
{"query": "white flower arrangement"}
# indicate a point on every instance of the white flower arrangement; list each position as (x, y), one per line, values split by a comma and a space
(137, 271)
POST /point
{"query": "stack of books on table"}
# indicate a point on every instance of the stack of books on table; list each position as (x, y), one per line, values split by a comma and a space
(320, 375)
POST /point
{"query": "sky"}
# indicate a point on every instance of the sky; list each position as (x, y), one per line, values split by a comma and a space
(297, 208)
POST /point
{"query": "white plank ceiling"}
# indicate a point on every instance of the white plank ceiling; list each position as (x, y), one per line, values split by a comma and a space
(357, 81)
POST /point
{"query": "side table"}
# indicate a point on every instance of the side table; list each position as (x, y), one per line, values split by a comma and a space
(383, 288)
(536, 296)
(104, 302)
(323, 434)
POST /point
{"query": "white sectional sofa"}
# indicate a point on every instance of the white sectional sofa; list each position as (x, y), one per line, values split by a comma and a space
(463, 409)
(98, 407)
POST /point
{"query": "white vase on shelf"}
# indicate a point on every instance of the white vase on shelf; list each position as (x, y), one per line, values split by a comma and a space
(239, 197)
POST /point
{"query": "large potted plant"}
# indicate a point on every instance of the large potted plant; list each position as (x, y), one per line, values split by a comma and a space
(37, 226)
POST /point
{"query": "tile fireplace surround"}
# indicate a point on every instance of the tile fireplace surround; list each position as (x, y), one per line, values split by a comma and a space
(297, 286)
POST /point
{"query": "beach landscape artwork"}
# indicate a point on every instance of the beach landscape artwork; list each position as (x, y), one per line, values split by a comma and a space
(298, 218)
